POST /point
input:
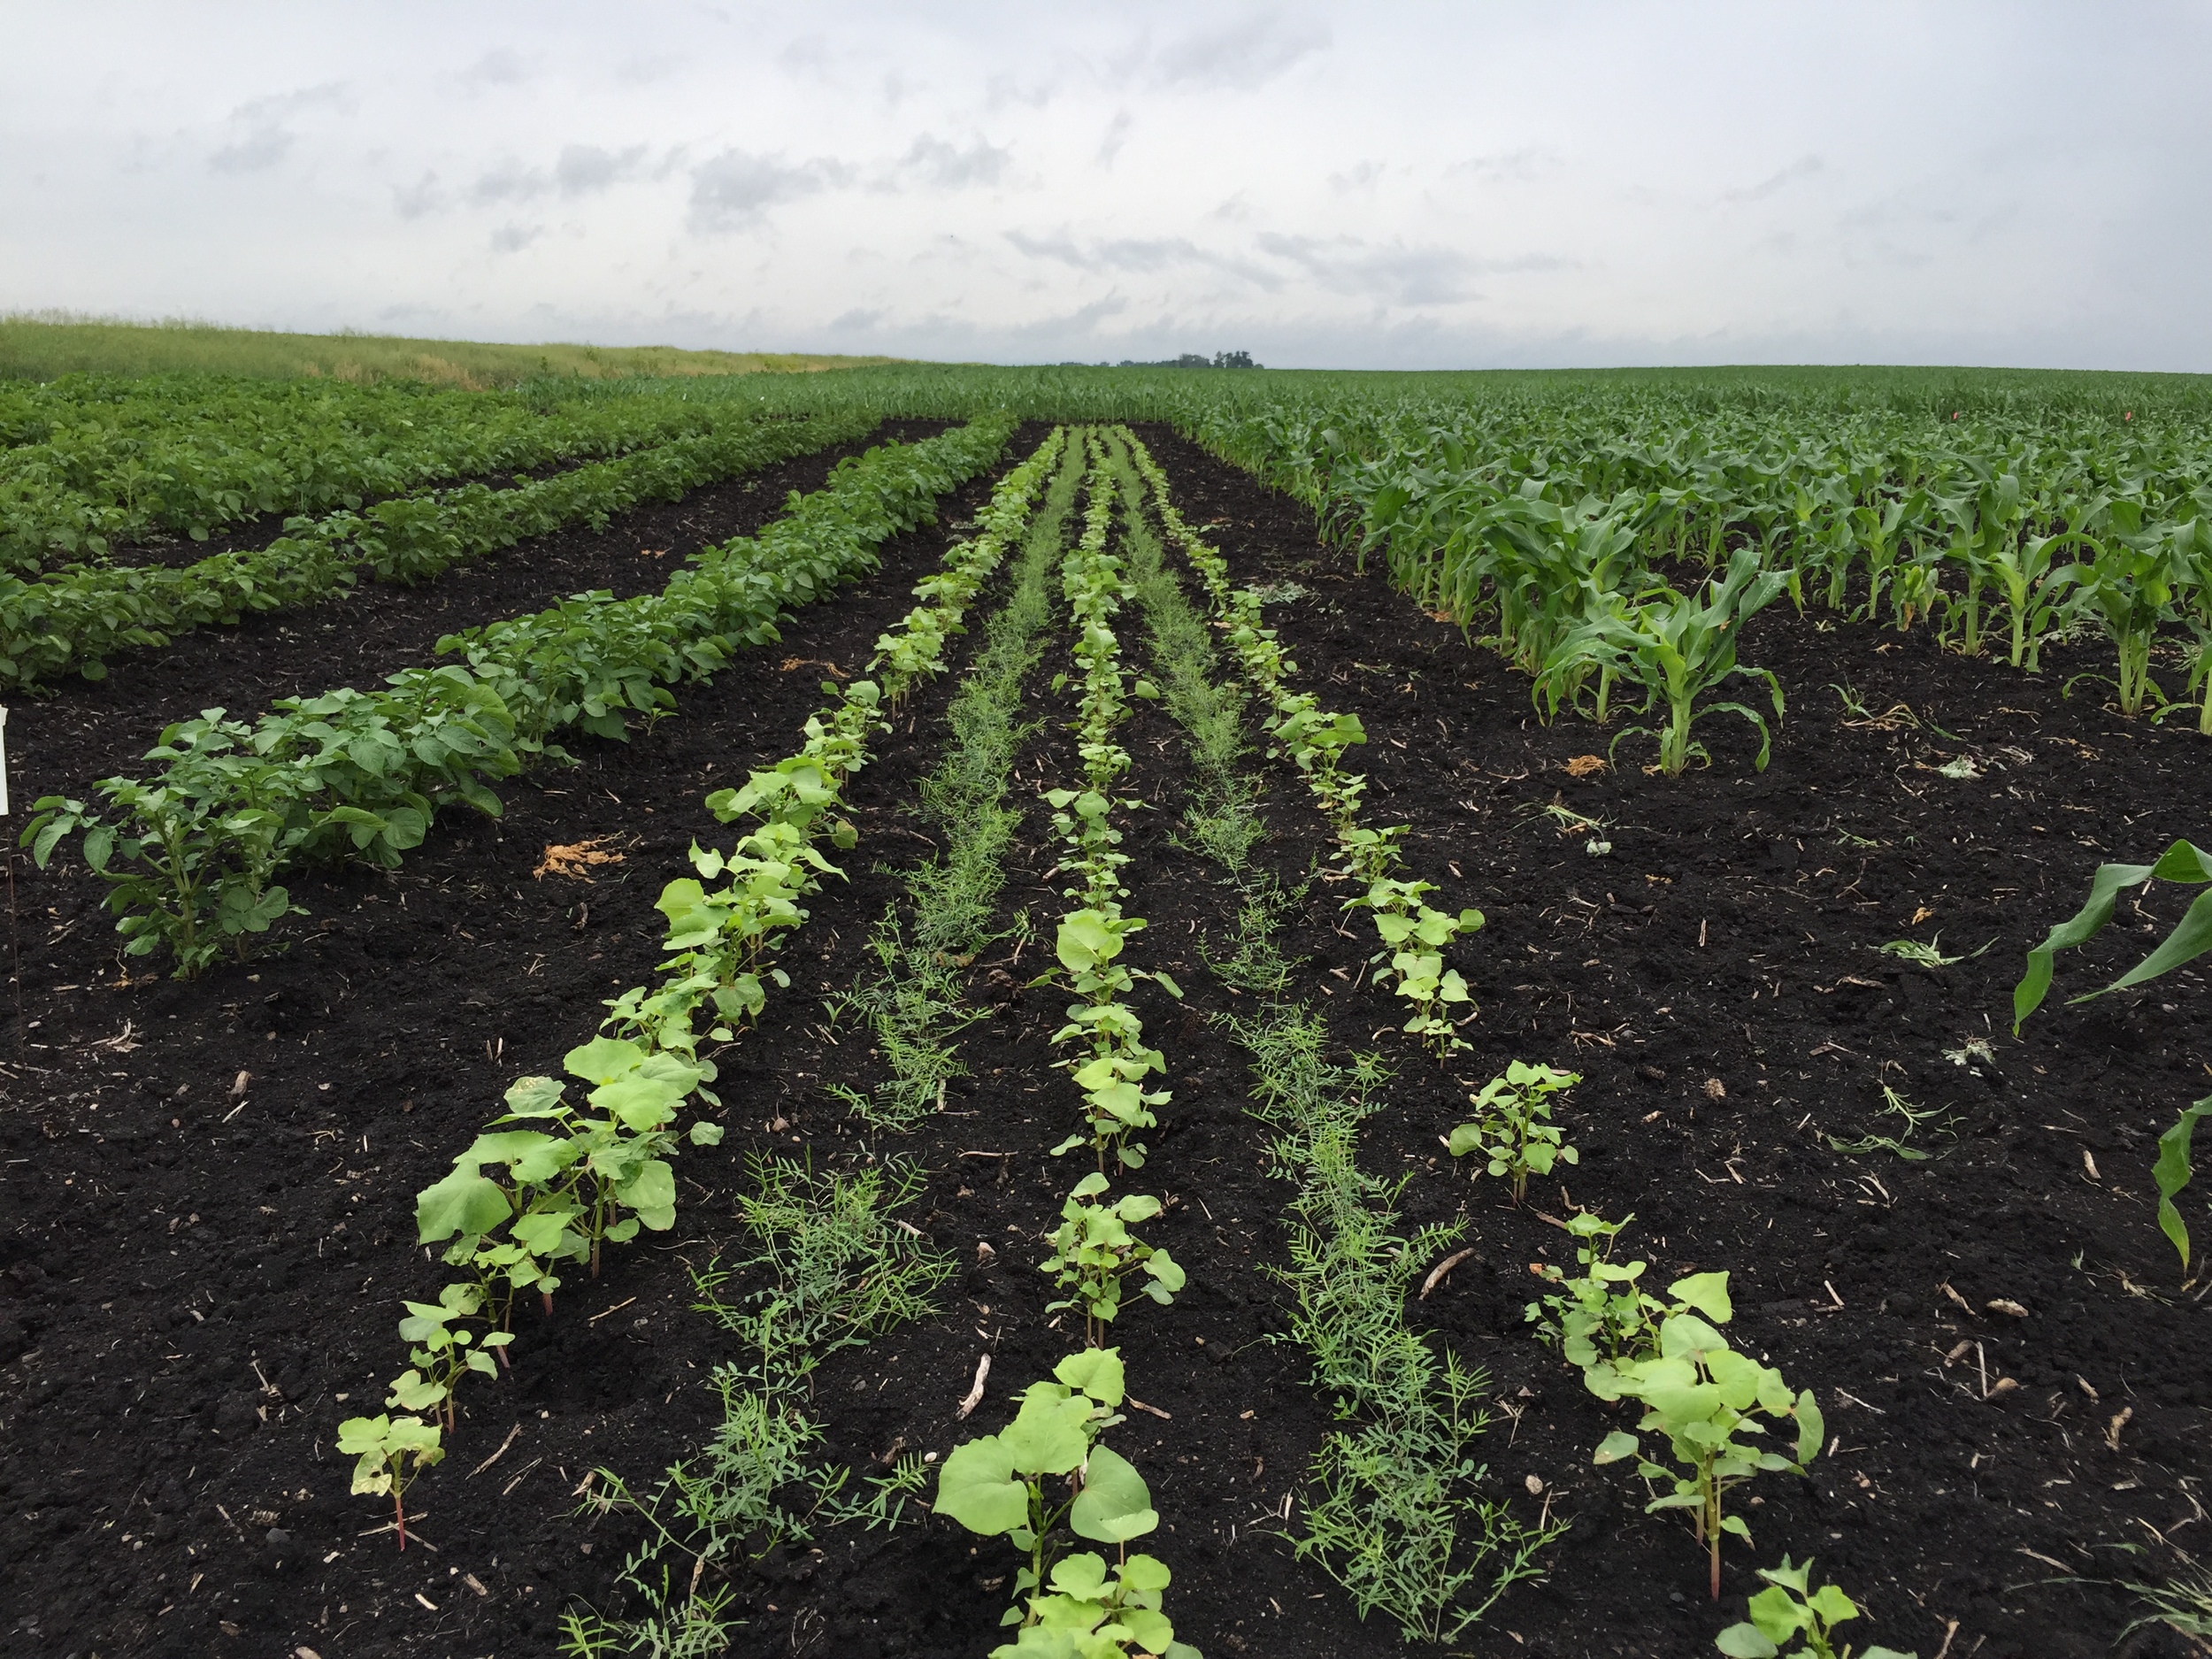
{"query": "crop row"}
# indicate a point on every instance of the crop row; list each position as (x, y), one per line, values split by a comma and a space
(1049, 1467)
(76, 618)
(96, 464)
(193, 855)
(551, 1182)
(1381, 1513)
(1556, 535)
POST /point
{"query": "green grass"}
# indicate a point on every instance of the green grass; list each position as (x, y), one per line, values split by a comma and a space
(41, 345)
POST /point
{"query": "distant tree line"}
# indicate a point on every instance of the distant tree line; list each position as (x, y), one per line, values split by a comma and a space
(1188, 360)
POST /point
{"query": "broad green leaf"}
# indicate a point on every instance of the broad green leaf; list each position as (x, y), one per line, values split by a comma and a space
(603, 1059)
(1048, 1435)
(1096, 1372)
(1708, 1293)
(464, 1202)
(1114, 1505)
(2173, 1172)
(975, 1488)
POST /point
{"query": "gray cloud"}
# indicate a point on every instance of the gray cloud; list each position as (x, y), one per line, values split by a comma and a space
(413, 200)
(502, 66)
(1139, 255)
(512, 238)
(263, 133)
(1242, 56)
(509, 181)
(584, 168)
(1803, 168)
(1361, 176)
(1392, 275)
(950, 168)
(734, 191)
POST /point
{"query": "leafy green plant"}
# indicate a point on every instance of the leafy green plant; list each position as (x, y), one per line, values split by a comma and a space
(1927, 956)
(1513, 1129)
(1679, 648)
(390, 1453)
(1701, 1395)
(1093, 1251)
(1896, 1105)
(2191, 938)
(1789, 1609)
(996, 1484)
(1086, 1615)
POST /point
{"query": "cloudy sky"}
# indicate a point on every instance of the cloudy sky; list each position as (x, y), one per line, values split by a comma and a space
(1380, 185)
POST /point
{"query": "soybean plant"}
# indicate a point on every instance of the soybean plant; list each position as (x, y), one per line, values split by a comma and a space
(1701, 1394)
(995, 1485)
(1513, 1127)
(1790, 1608)
(392, 1451)
(1093, 1251)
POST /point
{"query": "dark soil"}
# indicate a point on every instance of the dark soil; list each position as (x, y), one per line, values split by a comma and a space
(169, 1411)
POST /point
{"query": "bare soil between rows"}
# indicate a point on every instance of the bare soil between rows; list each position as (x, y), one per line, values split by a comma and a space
(185, 1289)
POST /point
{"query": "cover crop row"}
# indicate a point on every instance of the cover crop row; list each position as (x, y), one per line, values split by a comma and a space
(551, 1182)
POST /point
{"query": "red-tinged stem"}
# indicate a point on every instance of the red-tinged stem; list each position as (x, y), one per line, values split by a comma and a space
(399, 1511)
(549, 1302)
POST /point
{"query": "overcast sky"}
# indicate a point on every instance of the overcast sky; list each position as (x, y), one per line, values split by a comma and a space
(1373, 186)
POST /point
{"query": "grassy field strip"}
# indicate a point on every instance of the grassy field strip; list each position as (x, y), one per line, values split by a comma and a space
(561, 1192)
(1394, 1507)
(75, 618)
(914, 1007)
(194, 854)
(1412, 933)
(92, 465)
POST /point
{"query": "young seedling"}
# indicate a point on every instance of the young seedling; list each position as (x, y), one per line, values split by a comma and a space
(1927, 955)
(1701, 1393)
(995, 1485)
(1790, 1609)
(1093, 1251)
(1896, 1105)
(1087, 1616)
(1513, 1127)
(392, 1452)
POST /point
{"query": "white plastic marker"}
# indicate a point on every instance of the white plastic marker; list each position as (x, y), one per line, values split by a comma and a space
(4, 762)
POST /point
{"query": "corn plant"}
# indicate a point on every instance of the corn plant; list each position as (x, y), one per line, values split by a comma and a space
(1789, 1609)
(1512, 1129)
(2185, 865)
(1679, 648)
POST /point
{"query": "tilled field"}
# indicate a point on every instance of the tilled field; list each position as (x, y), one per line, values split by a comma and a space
(195, 1277)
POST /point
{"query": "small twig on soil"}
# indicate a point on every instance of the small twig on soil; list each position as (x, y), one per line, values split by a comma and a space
(1437, 1274)
(412, 1537)
(497, 1455)
(1138, 1405)
(603, 1312)
(1950, 1629)
(975, 1389)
